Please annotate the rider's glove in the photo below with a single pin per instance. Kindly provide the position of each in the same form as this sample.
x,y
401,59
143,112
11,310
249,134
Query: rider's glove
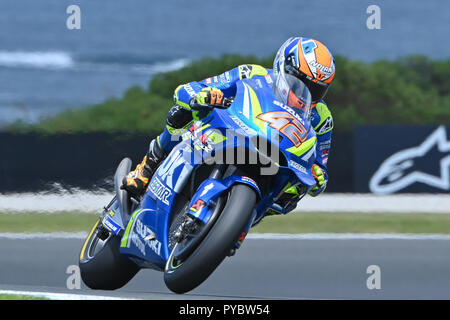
x,y
205,100
209,97
320,178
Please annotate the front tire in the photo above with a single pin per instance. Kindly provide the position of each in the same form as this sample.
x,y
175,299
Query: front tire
x,y
101,265
196,268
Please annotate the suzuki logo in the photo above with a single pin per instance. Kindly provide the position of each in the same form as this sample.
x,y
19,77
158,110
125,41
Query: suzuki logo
x,y
398,171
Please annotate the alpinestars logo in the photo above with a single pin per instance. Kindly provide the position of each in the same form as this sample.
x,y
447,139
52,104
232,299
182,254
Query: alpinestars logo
x,y
326,125
245,71
398,171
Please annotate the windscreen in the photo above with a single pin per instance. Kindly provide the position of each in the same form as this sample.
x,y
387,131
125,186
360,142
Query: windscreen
x,y
294,93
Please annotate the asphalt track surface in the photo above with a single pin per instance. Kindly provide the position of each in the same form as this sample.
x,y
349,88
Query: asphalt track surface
x,y
261,269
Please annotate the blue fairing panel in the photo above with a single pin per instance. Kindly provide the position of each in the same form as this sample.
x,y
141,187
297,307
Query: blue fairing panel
x,y
210,190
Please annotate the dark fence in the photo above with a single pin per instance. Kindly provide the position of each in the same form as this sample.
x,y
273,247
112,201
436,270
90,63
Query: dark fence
x,y
370,159
36,162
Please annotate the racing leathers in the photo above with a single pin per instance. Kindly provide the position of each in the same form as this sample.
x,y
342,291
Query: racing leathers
x,y
181,116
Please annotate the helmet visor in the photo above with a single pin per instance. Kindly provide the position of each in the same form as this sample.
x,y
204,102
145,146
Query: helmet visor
x,y
293,92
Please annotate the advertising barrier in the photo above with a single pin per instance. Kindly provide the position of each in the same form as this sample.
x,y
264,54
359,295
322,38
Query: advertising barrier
x,y
402,159
371,159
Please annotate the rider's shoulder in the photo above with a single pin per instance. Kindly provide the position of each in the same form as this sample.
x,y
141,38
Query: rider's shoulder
x,y
321,119
322,109
248,71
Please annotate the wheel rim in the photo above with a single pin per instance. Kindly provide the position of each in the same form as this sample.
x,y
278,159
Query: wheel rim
x,y
93,243
170,262
96,246
181,254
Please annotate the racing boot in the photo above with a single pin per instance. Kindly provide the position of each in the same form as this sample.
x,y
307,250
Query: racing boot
x,y
136,182
286,202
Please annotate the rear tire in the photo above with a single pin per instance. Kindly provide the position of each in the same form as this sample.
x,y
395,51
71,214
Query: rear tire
x,y
196,268
105,269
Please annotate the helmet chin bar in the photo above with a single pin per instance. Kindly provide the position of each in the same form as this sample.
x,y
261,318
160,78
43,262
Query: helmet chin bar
x,y
317,89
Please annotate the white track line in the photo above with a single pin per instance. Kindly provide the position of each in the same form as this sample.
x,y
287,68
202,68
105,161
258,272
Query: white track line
x,y
59,296
50,236
348,236
263,236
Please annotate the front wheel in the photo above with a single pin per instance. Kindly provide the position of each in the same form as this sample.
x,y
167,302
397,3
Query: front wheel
x,y
183,276
101,264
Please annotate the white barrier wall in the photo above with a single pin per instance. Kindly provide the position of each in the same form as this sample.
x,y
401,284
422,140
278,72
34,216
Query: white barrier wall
x,y
89,202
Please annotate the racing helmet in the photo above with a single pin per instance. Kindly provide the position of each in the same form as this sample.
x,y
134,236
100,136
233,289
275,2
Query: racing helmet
x,y
308,60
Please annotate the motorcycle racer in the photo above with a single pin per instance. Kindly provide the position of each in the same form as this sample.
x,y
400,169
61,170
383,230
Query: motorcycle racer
x,y
305,59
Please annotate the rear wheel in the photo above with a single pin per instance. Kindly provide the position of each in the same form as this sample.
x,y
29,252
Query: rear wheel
x,y
192,261
101,264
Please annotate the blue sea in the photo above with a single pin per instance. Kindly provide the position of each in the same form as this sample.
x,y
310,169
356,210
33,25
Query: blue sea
x,y
46,68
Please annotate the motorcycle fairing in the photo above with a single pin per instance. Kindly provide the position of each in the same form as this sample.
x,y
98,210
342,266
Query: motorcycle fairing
x,y
253,99
146,234
155,210
210,190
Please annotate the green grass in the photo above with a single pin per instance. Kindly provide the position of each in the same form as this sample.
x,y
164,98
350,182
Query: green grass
x,y
355,223
380,92
44,222
425,223
20,297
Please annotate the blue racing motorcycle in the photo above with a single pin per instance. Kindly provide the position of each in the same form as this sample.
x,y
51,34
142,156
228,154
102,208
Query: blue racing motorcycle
x,y
227,172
